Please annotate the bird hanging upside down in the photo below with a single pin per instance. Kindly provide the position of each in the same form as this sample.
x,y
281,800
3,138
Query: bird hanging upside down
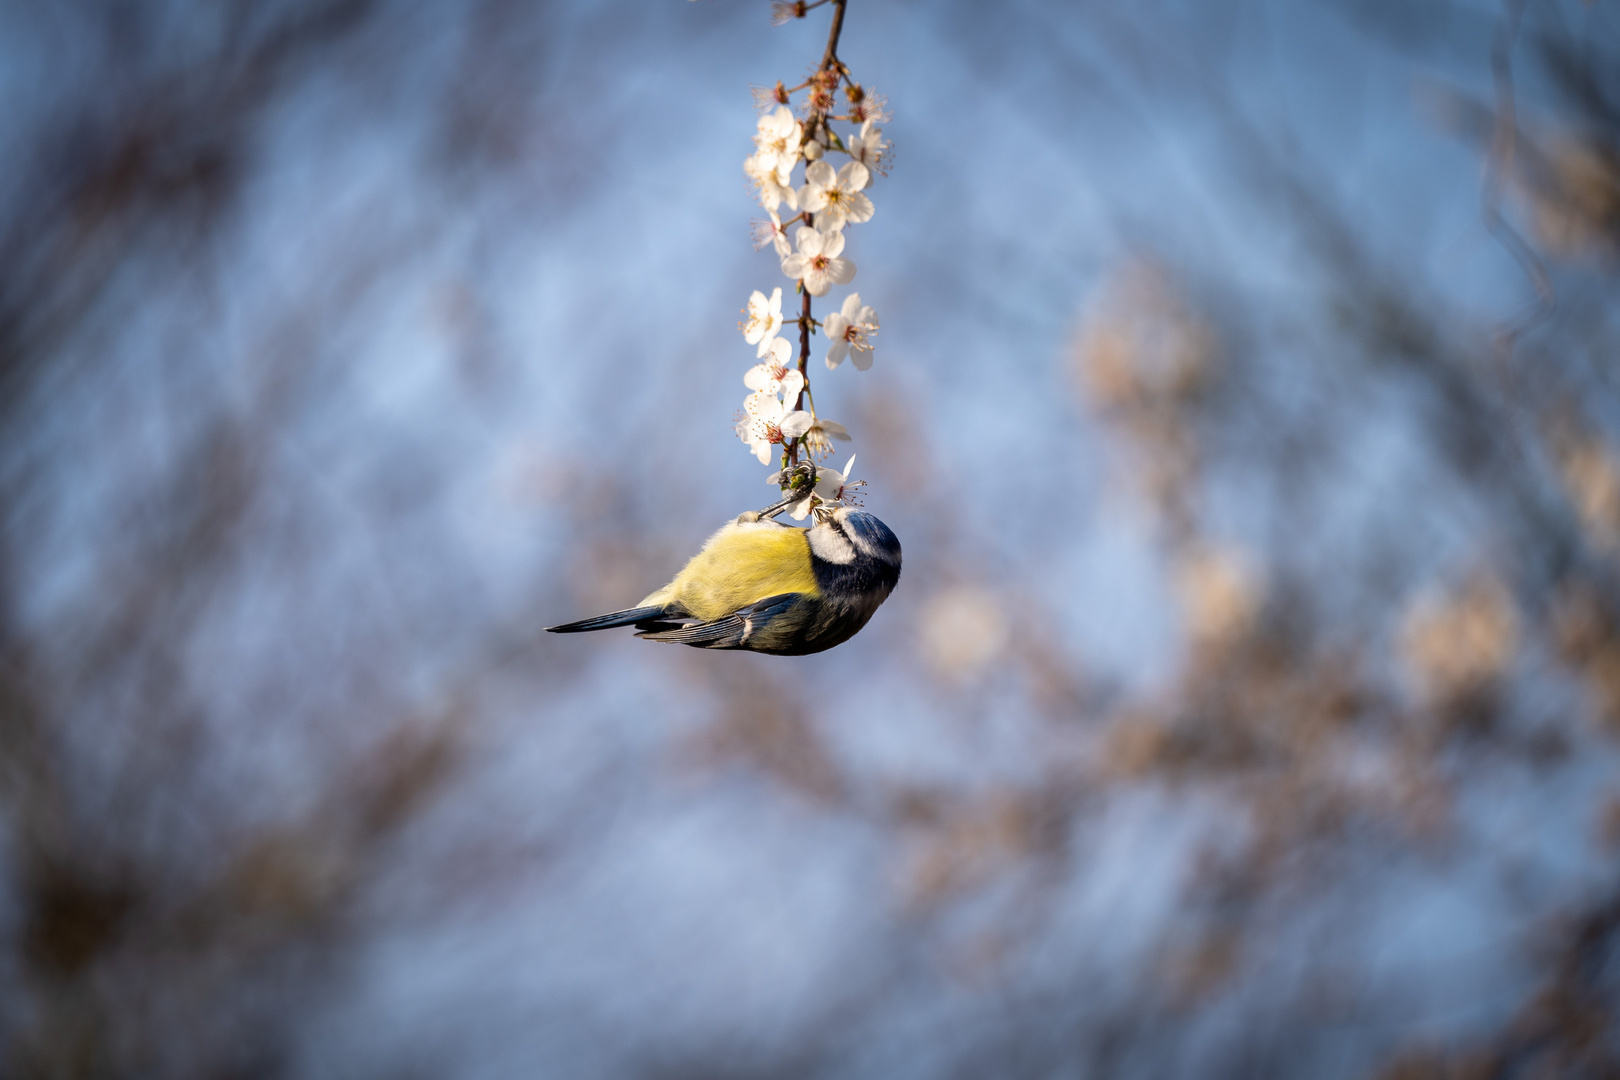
x,y
772,588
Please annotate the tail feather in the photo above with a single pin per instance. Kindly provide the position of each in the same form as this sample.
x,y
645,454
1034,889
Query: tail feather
x,y
613,618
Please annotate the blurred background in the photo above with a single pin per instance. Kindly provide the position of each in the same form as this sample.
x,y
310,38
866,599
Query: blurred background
x,y
1247,402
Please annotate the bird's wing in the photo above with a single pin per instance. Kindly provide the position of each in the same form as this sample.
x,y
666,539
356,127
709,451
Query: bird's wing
x,y
729,631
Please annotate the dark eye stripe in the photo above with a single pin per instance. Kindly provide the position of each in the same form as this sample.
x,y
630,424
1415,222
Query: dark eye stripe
x,y
855,540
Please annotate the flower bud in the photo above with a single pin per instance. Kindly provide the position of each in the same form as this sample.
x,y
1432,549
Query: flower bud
x,y
854,92
813,151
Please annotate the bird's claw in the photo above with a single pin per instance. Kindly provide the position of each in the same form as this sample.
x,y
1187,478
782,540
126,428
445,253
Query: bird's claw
x,y
797,482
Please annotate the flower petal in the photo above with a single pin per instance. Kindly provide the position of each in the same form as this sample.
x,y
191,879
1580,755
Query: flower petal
x,y
762,405
857,207
853,176
837,354
851,308
839,272
792,383
820,174
796,423
832,244
781,351
862,358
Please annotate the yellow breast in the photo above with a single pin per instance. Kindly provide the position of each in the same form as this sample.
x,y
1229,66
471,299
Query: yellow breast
x,y
738,565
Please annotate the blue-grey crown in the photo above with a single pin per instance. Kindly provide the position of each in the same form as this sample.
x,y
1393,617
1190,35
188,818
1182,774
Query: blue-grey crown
x,y
872,535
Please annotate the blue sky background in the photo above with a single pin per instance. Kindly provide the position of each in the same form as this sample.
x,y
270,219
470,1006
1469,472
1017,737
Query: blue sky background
x,y
336,372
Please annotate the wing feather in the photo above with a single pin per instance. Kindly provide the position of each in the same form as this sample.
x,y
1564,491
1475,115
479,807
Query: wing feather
x,y
729,631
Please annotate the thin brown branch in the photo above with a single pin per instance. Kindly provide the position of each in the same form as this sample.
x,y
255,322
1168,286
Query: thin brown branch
x,y
1499,164
830,57
804,363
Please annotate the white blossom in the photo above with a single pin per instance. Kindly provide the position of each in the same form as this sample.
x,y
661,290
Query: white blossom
x,y
871,109
849,332
816,262
764,319
835,198
773,187
777,141
775,374
818,437
869,147
837,487
771,232
768,422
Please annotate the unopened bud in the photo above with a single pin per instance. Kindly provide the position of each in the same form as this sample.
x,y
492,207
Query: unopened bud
x,y
813,151
854,92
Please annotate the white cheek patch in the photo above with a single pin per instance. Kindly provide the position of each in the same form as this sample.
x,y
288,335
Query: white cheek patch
x,y
830,546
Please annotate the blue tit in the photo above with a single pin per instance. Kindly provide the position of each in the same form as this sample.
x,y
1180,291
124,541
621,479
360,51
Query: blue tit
x,y
761,585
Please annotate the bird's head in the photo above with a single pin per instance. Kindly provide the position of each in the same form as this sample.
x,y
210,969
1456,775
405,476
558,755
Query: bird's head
x,y
847,534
